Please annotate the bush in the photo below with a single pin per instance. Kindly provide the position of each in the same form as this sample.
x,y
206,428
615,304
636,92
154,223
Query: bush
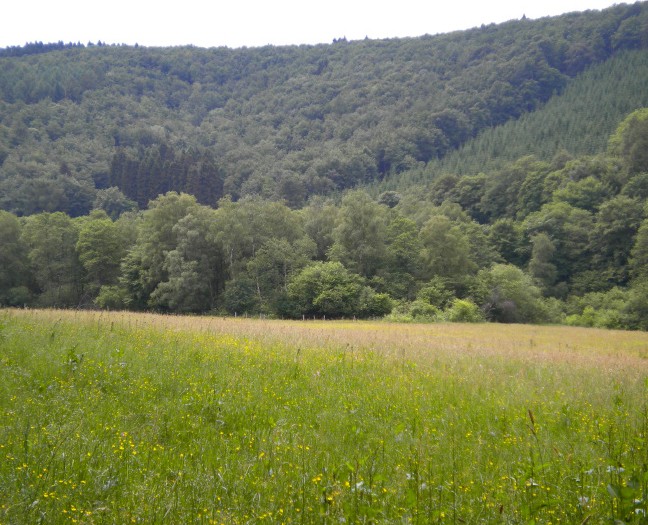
x,y
635,311
329,289
111,298
414,312
554,310
436,293
599,309
374,304
464,311
508,295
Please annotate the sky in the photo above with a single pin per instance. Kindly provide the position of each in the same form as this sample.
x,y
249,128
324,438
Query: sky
x,y
253,23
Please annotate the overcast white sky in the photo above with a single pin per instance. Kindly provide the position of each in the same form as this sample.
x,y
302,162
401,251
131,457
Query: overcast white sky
x,y
237,23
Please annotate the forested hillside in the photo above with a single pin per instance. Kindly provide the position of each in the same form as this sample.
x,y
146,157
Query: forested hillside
x,y
565,241
578,121
283,123
502,175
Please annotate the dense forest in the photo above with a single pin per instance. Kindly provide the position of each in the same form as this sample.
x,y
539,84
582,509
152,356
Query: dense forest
x,y
496,174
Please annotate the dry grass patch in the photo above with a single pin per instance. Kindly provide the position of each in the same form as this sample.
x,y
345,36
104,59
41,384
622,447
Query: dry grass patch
x,y
624,352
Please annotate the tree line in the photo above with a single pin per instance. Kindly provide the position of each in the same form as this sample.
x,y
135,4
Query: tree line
x,y
565,241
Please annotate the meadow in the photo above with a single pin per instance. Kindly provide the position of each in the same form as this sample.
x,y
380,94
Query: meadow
x,y
139,418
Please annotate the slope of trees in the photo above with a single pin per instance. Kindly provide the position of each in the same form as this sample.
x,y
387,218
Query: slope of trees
x,y
533,242
504,169
578,121
281,123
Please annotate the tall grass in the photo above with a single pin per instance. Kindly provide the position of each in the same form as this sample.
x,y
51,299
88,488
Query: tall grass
x,y
126,418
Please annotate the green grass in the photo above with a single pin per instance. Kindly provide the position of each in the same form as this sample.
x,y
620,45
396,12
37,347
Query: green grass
x,y
149,419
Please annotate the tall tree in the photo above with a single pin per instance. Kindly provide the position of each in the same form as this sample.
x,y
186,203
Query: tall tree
x,y
446,251
245,226
402,258
326,289
51,240
542,269
630,141
273,267
612,238
639,255
319,219
516,183
569,229
144,266
14,265
113,202
506,236
195,267
100,248
360,234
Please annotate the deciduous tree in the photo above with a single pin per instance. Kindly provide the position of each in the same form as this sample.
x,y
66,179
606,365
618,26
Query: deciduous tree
x,y
51,240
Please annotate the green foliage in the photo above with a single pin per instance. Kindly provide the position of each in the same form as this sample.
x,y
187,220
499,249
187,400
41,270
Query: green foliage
x,y
519,183
143,268
51,240
156,168
112,297
636,308
241,297
436,293
100,249
569,229
206,419
359,237
330,290
639,254
599,309
506,236
464,311
423,311
113,202
637,187
389,198
617,223
578,121
446,250
576,225
468,193
417,311
630,141
272,268
326,289
583,175
374,305
183,291
506,294
403,245
319,220
587,193
541,267
13,262
195,267
290,122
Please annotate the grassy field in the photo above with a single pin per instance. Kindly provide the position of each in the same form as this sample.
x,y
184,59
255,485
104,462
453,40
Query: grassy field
x,y
133,418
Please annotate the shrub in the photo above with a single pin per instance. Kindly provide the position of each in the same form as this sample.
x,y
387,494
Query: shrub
x,y
111,298
464,311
